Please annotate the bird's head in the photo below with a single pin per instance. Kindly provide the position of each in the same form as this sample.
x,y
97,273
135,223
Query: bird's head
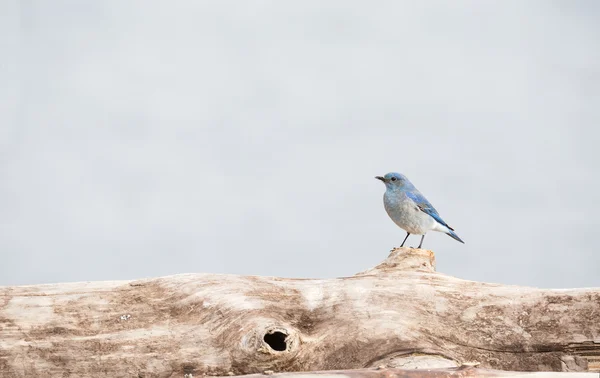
x,y
394,180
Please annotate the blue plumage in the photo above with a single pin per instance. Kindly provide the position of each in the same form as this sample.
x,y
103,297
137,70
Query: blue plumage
x,y
410,210
426,206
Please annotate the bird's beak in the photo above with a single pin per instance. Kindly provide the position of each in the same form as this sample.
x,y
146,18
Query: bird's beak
x,y
380,178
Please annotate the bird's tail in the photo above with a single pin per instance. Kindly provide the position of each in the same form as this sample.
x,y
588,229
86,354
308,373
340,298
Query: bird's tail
x,y
453,235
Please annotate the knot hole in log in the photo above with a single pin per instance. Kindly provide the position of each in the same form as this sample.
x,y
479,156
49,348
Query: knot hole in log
x,y
267,346
271,339
277,340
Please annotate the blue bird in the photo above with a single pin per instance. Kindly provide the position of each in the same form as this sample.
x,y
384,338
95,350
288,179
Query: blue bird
x,y
410,210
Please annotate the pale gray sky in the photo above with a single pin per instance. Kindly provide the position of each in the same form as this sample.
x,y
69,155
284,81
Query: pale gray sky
x,y
147,138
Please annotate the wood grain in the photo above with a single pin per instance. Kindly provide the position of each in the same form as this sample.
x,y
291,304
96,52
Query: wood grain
x,y
400,314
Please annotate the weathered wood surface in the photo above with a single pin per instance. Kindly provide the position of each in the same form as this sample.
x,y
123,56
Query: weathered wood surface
x,y
457,372
400,314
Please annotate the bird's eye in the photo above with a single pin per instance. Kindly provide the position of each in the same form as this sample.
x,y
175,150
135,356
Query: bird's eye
x,y
393,179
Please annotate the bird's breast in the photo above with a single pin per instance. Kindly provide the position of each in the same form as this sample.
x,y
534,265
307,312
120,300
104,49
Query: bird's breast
x,y
405,213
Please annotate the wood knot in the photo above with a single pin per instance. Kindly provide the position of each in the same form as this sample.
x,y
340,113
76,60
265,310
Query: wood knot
x,y
267,344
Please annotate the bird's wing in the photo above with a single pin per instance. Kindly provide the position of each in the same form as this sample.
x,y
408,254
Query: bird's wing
x,y
426,207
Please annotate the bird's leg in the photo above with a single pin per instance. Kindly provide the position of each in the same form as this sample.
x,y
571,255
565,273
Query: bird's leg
x,y
421,243
402,245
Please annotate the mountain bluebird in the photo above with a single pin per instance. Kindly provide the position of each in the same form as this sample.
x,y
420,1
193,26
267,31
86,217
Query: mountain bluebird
x,y
410,210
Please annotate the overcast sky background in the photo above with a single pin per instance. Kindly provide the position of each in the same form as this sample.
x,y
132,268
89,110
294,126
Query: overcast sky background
x,y
147,138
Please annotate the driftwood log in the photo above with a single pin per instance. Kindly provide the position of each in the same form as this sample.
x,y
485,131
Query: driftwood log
x,y
399,315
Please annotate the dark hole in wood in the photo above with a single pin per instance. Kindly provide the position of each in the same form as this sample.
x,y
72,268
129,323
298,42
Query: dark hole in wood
x,y
189,369
276,341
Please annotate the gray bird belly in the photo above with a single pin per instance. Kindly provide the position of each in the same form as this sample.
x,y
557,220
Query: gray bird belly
x,y
409,217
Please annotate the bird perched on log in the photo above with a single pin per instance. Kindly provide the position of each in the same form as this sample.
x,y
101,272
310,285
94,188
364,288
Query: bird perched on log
x,y
410,210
